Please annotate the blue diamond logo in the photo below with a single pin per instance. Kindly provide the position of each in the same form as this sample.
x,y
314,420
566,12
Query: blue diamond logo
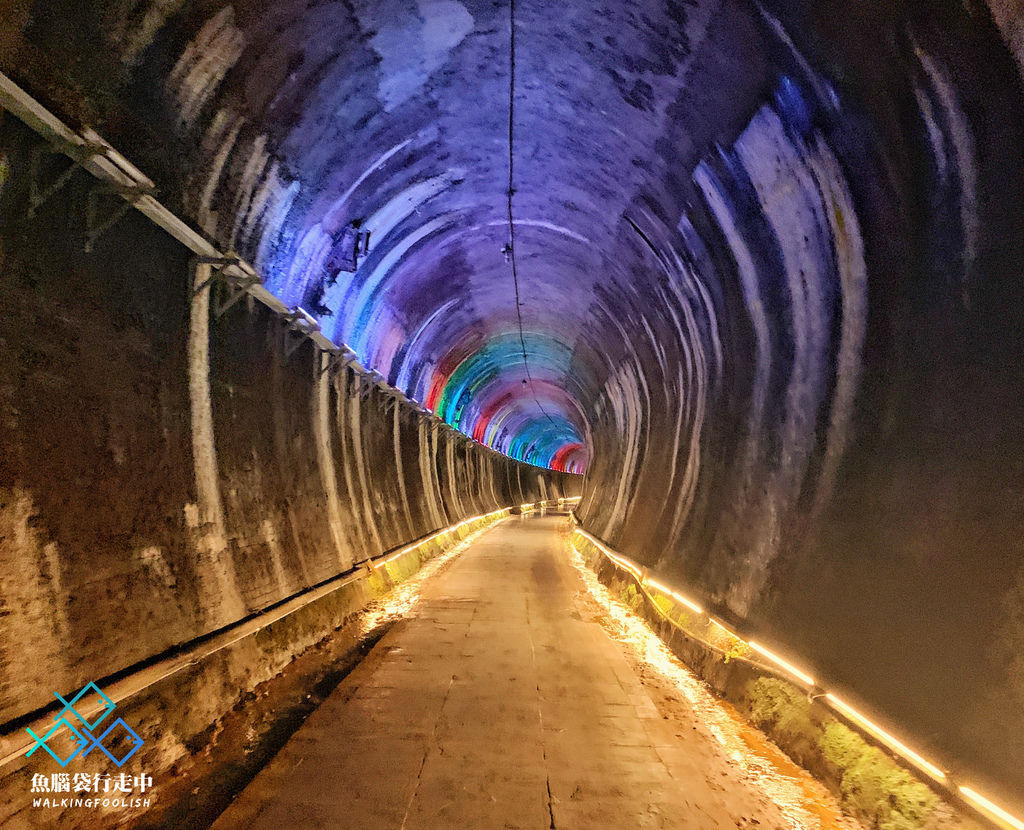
x,y
134,742
69,706
81,741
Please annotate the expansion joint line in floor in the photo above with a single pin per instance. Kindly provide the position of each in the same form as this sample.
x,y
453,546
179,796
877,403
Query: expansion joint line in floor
x,y
432,741
540,718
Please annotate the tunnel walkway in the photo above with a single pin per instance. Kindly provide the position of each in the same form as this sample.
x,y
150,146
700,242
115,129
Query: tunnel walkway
x,y
500,702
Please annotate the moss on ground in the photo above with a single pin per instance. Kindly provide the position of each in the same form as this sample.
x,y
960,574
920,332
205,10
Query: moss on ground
x,y
631,596
404,566
782,707
378,584
873,785
726,643
665,605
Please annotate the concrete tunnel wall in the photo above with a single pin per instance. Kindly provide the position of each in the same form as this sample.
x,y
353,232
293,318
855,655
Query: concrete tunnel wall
x,y
108,555
770,264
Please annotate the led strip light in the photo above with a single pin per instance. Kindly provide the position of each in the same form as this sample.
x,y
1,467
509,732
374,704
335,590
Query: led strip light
x,y
989,809
410,548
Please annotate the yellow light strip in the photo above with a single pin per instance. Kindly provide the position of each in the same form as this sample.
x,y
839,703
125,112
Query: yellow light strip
x,y
434,536
689,603
988,808
787,666
887,739
728,631
993,811
868,726
618,560
623,563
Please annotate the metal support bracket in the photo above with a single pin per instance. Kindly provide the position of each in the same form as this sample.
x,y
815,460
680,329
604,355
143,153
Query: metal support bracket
x,y
365,386
233,286
96,226
38,195
290,344
335,360
296,322
392,400
375,380
217,272
233,289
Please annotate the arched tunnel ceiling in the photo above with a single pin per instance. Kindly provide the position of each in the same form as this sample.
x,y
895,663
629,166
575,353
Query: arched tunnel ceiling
x,y
632,124
308,118
395,116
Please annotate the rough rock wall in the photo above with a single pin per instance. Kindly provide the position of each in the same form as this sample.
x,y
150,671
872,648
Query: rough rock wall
x,y
129,522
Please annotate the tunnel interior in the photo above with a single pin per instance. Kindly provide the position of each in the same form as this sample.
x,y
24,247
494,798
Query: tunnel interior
x,y
753,269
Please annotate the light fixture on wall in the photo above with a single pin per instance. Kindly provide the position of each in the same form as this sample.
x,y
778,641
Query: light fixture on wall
x,y
353,245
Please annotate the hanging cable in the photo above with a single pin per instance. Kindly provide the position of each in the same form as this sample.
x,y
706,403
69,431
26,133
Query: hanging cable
x,y
511,247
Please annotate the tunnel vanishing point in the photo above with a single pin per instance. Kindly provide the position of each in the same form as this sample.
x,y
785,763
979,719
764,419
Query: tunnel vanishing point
x,y
287,287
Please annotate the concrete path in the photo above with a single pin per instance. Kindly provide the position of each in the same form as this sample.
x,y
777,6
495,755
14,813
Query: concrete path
x,y
496,704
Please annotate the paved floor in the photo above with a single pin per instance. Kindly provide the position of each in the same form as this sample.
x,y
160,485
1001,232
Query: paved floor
x,y
496,704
